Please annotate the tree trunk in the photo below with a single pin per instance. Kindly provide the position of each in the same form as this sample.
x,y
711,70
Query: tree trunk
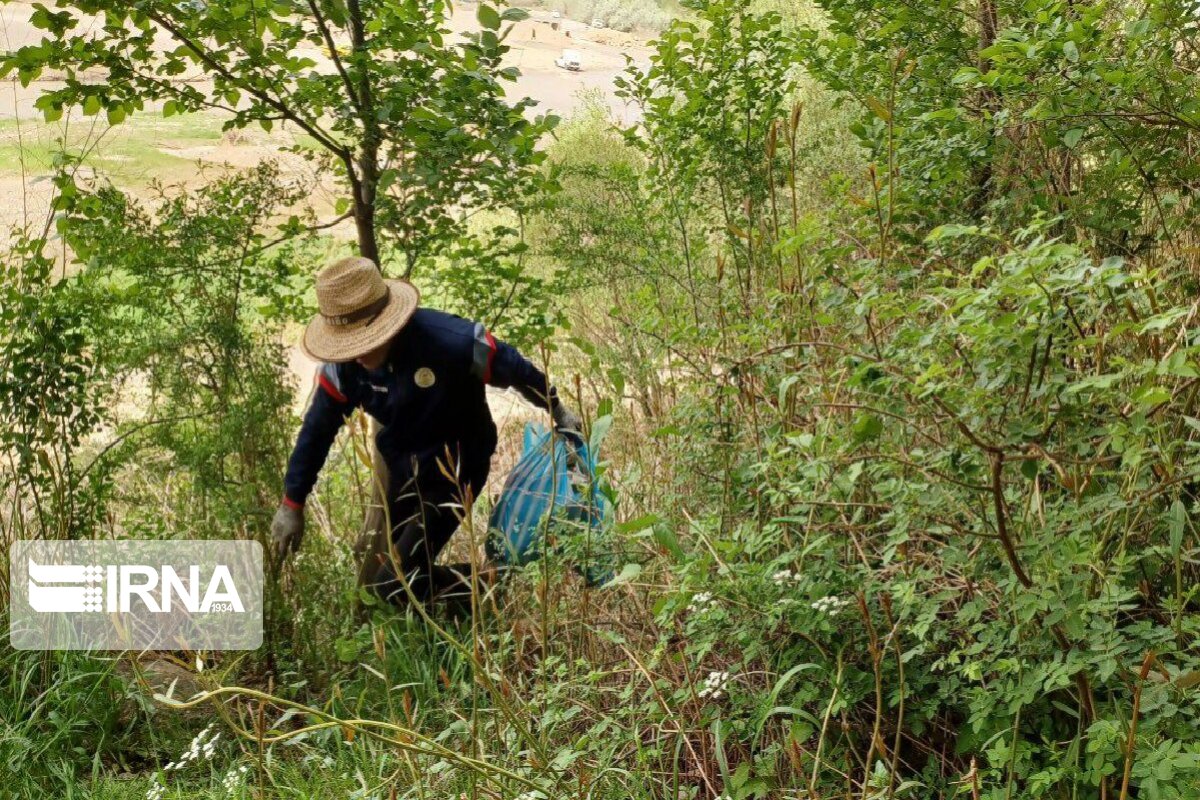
x,y
375,534
364,222
373,538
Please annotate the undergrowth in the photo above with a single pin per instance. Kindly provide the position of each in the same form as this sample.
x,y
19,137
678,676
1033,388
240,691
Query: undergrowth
x,y
893,321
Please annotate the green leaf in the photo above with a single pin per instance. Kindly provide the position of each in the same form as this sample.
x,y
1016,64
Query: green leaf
x,y
488,17
600,427
664,536
346,649
1152,396
627,573
1099,382
718,740
784,386
879,108
783,681
40,18
91,105
618,381
1070,51
386,179
866,427
1072,137
514,15
951,231
1176,521
639,524
116,115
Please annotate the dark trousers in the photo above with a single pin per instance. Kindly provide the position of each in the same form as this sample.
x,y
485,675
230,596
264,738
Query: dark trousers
x,y
424,512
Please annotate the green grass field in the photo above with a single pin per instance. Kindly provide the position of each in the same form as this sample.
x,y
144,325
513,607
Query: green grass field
x,y
132,153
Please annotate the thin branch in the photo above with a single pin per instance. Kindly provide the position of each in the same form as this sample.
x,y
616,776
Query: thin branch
x,y
321,136
1002,521
333,53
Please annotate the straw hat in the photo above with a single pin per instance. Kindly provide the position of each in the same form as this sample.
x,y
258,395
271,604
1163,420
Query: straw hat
x,y
360,310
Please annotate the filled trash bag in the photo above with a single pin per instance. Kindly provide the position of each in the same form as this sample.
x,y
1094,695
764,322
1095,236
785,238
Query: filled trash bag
x,y
551,492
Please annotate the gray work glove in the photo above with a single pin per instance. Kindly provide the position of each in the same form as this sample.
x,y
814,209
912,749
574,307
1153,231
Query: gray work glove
x,y
568,425
566,421
287,531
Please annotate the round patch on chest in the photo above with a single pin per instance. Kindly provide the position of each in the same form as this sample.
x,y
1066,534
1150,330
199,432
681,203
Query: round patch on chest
x,y
425,377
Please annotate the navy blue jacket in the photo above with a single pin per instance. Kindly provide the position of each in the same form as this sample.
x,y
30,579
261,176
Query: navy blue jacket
x,y
428,395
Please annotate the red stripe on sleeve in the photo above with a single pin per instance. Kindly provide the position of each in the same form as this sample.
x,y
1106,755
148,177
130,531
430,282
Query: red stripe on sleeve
x,y
487,371
290,503
328,386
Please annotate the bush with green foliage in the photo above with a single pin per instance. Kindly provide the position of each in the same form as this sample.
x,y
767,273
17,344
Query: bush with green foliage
x,y
896,315
190,295
930,489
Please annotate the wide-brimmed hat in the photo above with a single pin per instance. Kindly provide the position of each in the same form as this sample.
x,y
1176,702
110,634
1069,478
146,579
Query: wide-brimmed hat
x,y
360,310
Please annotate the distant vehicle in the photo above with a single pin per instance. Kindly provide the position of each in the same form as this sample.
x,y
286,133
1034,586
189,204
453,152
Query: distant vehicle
x,y
556,15
569,60
598,23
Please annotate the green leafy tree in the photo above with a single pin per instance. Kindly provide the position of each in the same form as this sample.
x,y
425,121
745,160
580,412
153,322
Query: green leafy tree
x,y
53,394
190,301
709,98
1004,109
415,125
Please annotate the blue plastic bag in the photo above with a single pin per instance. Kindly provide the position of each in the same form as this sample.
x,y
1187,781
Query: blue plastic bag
x,y
550,490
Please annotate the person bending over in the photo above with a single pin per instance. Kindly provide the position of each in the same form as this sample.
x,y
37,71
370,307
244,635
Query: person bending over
x,y
421,374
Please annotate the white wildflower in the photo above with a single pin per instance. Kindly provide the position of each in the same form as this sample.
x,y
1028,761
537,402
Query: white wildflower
x,y
201,745
700,603
786,576
233,779
155,792
714,685
830,604
199,664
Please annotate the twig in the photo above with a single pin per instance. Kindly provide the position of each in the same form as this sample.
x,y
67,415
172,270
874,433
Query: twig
x,y
1131,742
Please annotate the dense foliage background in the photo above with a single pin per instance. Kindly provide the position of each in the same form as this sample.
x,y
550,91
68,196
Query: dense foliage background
x,y
892,312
